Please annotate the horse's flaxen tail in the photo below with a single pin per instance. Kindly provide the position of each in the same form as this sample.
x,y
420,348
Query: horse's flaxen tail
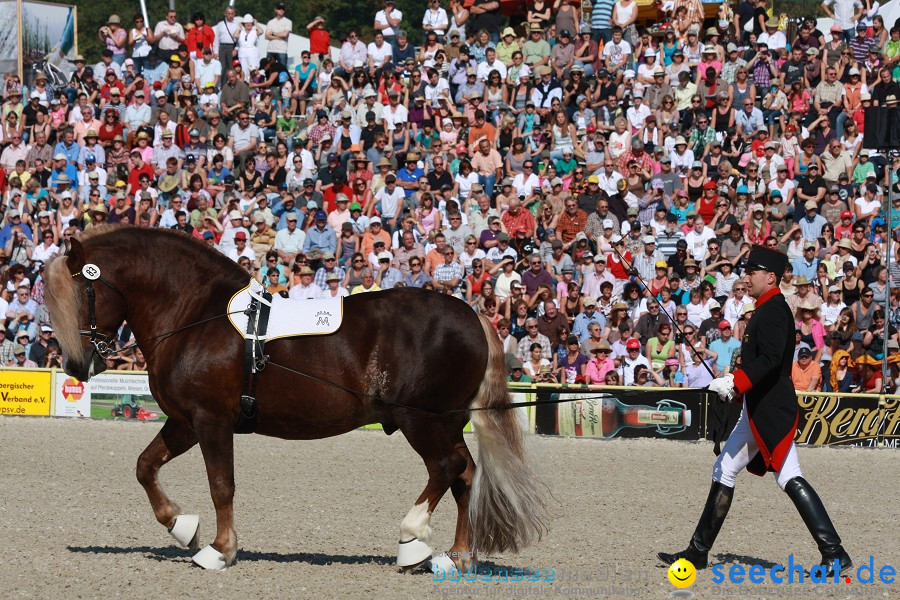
x,y
507,511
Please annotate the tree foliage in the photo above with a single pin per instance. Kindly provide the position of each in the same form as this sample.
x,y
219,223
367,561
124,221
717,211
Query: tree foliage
x,y
340,16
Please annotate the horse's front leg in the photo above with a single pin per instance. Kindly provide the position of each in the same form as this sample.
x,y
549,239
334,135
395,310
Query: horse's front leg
x,y
172,441
217,445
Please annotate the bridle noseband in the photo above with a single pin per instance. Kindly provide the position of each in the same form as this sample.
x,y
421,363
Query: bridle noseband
x,y
102,343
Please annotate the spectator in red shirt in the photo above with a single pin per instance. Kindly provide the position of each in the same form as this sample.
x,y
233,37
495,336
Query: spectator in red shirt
x,y
859,115
636,154
571,222
706,204
620,260
138,168
199,37
319,39
516,217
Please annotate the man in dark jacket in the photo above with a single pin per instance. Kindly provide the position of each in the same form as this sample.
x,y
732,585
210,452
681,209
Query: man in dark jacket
x,y
763,438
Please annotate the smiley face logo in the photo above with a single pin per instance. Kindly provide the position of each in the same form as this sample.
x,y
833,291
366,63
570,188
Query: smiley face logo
x,y
682,573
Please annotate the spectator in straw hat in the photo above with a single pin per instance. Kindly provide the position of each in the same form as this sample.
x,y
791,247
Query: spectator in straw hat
x,y
305,289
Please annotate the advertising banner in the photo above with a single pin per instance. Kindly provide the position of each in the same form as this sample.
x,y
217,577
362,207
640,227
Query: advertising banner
x,y
656,412
48,36
848,421
73,397
121,383
9,38
124,394
25,392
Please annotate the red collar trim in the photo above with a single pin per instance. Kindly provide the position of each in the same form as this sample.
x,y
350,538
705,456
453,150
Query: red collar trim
x,y
768,296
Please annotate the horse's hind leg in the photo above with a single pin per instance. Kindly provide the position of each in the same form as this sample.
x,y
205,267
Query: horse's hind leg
x,y
461,551
429,438
172,440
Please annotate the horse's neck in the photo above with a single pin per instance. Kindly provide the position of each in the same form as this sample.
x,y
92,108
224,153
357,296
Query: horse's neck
x,y
171,298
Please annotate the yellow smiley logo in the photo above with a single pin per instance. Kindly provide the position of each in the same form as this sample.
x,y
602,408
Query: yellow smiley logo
x,y
682,573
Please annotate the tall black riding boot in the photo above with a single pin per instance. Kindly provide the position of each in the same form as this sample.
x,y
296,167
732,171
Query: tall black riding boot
x,y
714,513
813,512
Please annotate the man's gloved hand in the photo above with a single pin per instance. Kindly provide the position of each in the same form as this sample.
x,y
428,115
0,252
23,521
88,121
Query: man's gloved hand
x,y
724,387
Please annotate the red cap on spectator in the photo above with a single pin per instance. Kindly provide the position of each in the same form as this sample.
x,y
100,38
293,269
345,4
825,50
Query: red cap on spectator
x,y
461,149
709,185
723,324
632,344
790,128
157,85
522,229
846,215
590,129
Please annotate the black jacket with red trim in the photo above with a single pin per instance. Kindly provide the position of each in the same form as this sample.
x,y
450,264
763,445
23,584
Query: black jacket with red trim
x,y
767,353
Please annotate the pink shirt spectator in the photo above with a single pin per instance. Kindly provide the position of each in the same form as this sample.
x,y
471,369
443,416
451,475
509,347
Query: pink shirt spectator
x,y
596,370
702,66
115,41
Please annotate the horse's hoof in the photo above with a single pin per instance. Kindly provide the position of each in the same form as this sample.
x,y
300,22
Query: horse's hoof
x,y
442,564
412,552
421,567
185,530
211,559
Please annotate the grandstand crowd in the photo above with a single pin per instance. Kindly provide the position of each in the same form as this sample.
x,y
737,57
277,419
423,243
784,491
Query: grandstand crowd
x,y
578,177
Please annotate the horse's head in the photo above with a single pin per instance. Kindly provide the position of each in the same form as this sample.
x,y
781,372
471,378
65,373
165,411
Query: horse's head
x,y
85,322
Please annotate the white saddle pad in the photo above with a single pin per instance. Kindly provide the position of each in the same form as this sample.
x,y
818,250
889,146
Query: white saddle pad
x,y
288,317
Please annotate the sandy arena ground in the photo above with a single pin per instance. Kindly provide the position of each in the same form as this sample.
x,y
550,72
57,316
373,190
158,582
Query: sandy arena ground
x,y
320,519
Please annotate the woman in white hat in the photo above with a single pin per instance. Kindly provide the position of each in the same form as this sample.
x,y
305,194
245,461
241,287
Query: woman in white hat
x,y
248,37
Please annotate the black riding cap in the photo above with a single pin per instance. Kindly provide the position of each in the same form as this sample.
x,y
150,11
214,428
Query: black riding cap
x,y
766,259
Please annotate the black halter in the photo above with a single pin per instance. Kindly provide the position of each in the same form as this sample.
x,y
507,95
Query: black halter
x,y
102,343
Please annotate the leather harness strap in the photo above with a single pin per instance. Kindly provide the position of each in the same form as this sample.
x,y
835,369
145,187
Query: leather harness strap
x,y
254,360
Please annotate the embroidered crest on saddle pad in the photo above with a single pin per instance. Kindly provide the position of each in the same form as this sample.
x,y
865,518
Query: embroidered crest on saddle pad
x,y
288,317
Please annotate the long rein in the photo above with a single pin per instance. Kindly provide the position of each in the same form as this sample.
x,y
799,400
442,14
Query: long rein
x,y
101,344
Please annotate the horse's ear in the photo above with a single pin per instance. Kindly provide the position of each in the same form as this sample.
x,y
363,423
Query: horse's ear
x,y
76,255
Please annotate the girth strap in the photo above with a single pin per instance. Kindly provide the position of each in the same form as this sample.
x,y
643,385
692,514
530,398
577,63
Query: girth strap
x,y
254,360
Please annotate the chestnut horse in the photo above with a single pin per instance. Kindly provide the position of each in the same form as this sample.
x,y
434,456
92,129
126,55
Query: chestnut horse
x,y
408,359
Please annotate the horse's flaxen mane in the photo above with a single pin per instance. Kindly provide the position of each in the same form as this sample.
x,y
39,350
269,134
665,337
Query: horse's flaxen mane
x,y
63,298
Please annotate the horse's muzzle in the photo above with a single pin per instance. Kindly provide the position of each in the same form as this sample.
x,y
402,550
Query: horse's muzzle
x,y
84,372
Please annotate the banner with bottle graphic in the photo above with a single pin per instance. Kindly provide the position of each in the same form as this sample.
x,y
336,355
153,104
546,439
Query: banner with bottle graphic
x,y
604,414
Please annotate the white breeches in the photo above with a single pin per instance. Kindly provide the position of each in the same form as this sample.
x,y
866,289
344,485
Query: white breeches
x,y
249,61
739,450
